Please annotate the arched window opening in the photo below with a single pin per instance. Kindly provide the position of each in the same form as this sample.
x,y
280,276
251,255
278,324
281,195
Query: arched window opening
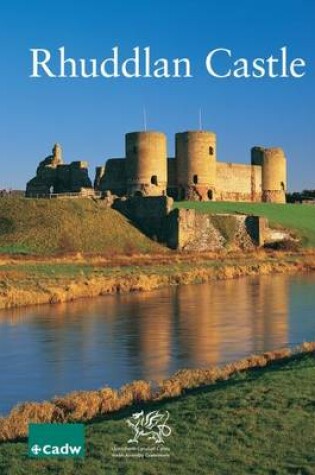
x,y
210,195
195,179
211,150
154,180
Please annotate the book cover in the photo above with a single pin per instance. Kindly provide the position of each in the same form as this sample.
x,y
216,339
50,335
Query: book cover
x,y
157,237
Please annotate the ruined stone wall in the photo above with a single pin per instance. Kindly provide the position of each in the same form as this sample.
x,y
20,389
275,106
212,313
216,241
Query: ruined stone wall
x,y
62,180
114,177
45,180
149,213
185,229
72,178
192,231
43,183
99,173
256,183
171,178
54,176
79,176
238,182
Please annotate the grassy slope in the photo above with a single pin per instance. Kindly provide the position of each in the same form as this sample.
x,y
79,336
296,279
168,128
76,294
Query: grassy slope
x,y
77,225
82,225
300,218
258,422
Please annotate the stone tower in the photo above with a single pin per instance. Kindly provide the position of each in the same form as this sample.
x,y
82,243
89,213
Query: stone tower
x,y
99,173
57,154
274,173
196,165
274,176
146,163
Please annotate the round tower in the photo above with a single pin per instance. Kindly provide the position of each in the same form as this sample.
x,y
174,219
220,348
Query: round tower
x,y
274,176
196,165
146,163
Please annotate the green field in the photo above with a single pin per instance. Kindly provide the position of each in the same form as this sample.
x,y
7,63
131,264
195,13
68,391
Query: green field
x,y
45,226
296,217
258,422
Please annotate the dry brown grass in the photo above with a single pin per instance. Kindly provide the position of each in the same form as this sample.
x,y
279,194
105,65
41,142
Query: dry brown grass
x,y
16,424
43,284
87,405
8,275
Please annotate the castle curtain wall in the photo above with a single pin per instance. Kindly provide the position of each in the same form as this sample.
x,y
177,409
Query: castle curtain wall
x,y
238,182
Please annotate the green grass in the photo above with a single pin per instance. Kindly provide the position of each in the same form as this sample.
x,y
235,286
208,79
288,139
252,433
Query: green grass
x,y
46,227
299,218
258,422
43,226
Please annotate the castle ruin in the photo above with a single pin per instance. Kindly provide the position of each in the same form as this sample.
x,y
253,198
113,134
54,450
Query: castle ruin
x,y
54,176
193,174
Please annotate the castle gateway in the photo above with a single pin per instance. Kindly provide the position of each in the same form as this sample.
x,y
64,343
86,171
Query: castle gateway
x,y
193,174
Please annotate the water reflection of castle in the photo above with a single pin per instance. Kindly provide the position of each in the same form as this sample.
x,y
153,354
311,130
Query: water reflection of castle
x,y
156,333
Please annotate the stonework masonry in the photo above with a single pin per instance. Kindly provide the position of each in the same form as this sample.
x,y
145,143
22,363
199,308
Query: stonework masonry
x,y
143,187
187,230
193,174
196,165
54,176
192,231
150,214
274,173
146,163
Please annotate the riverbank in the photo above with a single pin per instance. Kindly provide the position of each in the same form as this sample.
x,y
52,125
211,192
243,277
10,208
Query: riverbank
x,y
252,416
39,280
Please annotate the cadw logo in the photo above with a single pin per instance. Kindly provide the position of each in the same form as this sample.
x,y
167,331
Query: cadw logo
x,y
56,440
152,426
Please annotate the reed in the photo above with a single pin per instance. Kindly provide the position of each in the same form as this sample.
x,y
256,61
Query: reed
x,y
87,405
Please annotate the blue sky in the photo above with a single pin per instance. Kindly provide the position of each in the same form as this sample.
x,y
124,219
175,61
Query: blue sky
x,y
89,117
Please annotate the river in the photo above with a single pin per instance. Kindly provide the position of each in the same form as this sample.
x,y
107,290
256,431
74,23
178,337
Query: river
x,y
87,344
